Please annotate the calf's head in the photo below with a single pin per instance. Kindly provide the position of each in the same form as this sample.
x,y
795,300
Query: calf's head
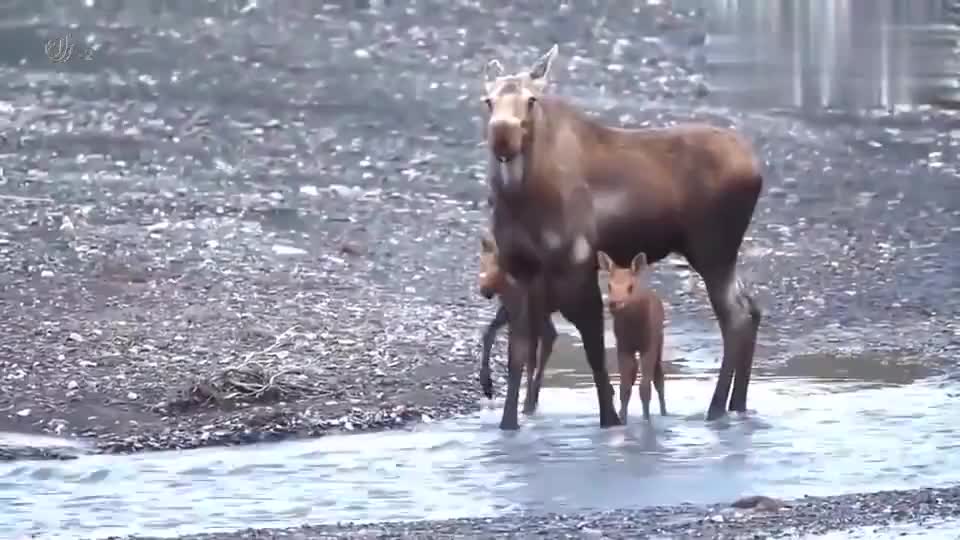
x,y
622,282
491,277
511,101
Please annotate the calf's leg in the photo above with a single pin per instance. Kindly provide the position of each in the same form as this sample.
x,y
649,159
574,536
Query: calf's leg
x,y
658,373
524,334
627,365
489,336
658,386
585,312
646,376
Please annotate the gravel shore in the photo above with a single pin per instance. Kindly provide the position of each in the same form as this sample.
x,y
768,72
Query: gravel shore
x,y
259,234
810,515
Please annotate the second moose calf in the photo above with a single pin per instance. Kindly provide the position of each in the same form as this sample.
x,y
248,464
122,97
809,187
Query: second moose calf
x,y
493,281
638,326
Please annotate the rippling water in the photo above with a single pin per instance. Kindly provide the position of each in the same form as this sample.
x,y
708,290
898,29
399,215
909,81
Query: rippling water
x,y
810,437
935,530
825,424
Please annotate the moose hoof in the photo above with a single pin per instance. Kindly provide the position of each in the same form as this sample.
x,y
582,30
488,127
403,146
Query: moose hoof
x,y
715,413
509,425
488,391
610,421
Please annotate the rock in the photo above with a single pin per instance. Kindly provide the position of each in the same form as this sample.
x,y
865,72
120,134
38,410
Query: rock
x,y
759,502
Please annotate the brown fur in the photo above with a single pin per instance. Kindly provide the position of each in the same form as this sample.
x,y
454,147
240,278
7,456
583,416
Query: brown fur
x,y
544,227
688,189
493,281
638,316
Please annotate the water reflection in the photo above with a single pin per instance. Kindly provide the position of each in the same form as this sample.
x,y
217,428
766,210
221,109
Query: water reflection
x,y
831,53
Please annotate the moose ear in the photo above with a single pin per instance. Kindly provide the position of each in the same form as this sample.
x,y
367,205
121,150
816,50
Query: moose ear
x,y
603,260
540,70
491,71
639,263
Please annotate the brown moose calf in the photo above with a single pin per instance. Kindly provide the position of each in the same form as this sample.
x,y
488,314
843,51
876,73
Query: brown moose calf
x,y
493,281
638,326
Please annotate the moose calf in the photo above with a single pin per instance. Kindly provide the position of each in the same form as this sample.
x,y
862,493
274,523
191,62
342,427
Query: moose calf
x,y
638,326
495,282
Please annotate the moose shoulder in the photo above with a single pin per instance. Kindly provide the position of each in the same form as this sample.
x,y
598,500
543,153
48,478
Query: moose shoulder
x,y
689,189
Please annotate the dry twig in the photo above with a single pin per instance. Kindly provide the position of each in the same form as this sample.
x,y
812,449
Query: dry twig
x,y
261,375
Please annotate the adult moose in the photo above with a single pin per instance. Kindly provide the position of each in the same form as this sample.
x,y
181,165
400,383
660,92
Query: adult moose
x,y
688,189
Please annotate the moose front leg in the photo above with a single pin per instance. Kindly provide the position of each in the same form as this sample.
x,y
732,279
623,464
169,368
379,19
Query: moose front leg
x,y
585,312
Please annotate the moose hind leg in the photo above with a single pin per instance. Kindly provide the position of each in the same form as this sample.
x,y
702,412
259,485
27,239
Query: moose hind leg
x,y
529,404
586,314
739,320
741,379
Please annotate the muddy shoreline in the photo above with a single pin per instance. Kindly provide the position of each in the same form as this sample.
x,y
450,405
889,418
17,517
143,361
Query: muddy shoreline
x,y
809,515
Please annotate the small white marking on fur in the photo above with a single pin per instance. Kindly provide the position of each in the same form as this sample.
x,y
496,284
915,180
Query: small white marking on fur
x,y
609,203
511,280
581,249
552,238
483,275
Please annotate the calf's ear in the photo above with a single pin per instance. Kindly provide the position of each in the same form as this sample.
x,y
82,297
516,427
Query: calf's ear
x,y
487,244
604,261
639,263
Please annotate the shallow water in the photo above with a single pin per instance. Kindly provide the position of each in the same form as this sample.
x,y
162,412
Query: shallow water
x,y
933,530
826,423
822,435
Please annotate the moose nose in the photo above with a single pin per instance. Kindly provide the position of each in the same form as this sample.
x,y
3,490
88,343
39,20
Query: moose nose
x,y
505,136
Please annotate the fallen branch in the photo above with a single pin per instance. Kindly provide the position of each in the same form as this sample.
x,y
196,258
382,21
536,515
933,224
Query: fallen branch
x,y
260,376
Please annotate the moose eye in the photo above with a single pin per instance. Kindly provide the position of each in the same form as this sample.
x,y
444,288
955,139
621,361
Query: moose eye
x,y
489,102
530,101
